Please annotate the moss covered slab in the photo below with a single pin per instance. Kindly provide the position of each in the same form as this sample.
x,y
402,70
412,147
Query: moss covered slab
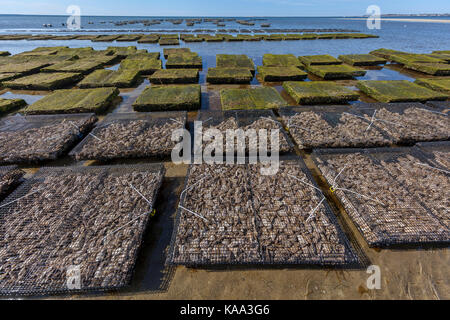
x,y
106,38
129,37
42,51
74,101
385,53
335,72
144,54
308,36
149,38
274,37
22,67
144,65
184,61
277,74
122,78
83,66
169,42
256,98
319,92
442,85
123,52
407,58
398,91
177,51
280,60
193,38
79,52
213,38
8,76
229,75
7,105
173,97
175,76
362,59
435,69
324,59
44,81
4,53
235,61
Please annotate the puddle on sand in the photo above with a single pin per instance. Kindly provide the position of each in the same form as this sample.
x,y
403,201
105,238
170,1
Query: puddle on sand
x,y
29,98
385,74
129,96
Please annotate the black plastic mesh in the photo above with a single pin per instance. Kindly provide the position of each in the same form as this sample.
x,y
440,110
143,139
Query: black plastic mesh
x,y
91,218
131,135
245,119
331,127
438,153
443,106
378,199
41,137
407,123
227,216
10,177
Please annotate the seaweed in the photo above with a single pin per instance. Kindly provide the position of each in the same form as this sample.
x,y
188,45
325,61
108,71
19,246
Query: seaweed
x,y
74,101
177,51
129,37
442,85
169,42
229,75
172,97
184,61
398,91
235,61
435,69
105,38
149,38
44,81
144,65
83,66
319,92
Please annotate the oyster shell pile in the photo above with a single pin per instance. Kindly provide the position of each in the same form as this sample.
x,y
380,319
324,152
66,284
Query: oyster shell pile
x,y
415,124
42,143
385,210
131,139
269,125
233,214
9,178
442,158
91,218
310,130
425,183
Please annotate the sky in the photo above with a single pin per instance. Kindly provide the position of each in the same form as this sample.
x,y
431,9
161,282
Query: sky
x,y
222,7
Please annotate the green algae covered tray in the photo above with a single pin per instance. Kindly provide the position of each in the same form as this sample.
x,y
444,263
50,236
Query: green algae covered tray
x,y
74,101
122,78
169,98
255,98
84,66
335,72
8,76
362,59
184,61
434,69
229,75
7,105
173,76
319,92
324,59
278,74
44,81
442,85
235,61
23,67
280,60
176,51
398,91
145,65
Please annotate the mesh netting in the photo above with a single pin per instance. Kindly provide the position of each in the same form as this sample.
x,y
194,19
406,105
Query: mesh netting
x,y
86,222
232,214
331,127
407,123
131,135
245,120
436,152
378,193
39,138
10,177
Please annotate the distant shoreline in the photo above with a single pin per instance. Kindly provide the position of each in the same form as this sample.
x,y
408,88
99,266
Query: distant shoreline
x,y
405,20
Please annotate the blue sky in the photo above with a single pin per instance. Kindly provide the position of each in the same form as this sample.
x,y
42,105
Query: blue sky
x,y
222,7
